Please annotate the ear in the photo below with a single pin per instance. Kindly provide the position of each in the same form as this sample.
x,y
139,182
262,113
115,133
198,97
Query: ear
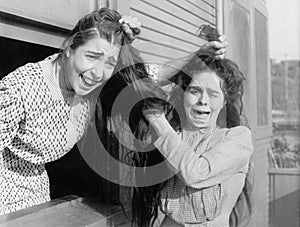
x,y
68,52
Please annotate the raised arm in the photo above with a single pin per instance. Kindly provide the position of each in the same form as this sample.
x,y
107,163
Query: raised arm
x,y
165,71
220,160
170,68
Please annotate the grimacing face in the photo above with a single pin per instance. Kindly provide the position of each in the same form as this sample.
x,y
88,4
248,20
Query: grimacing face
x,y
90,65
203,101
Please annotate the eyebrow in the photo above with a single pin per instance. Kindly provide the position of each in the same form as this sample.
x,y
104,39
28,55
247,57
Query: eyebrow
x,y
208,89
194,87
95,53
213,91
113,59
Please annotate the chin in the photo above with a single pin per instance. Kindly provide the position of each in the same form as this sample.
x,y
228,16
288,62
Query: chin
x,y
199,124
196,125
81,92
202,126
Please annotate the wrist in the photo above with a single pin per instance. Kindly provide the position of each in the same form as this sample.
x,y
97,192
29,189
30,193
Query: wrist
x,y
161,126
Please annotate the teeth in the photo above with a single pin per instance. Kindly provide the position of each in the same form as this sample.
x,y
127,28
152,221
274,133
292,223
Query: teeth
x,y
87,80
202,112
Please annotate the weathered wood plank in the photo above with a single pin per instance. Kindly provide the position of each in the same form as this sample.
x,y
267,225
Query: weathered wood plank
x,y
67,212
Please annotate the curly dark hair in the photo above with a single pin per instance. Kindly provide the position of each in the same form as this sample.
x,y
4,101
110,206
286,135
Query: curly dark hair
x,y
232,86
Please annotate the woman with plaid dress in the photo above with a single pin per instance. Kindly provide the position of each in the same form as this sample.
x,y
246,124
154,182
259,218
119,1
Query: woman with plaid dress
x,y
200,141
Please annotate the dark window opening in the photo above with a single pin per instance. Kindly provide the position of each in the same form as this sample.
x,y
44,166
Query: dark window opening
x,y
15,53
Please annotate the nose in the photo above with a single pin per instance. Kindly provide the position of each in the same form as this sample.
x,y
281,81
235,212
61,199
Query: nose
x,y
97,72
203,99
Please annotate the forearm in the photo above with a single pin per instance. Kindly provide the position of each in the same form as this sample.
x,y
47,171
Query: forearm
x,y
180,156
183,161
170,68
209,165
161,126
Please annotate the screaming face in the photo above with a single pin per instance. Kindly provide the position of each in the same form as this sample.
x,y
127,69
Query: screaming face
x,y
90,65
203,101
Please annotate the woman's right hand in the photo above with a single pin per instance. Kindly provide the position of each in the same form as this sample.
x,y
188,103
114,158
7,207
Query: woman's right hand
x,y
152,114
218,48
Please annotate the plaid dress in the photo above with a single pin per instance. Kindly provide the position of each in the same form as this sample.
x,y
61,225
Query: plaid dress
x,y
39,123
212,166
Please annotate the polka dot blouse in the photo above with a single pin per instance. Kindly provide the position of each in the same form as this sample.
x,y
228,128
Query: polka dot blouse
x,y
39,123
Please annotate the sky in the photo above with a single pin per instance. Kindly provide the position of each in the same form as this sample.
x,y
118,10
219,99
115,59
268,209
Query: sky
x,y
284,29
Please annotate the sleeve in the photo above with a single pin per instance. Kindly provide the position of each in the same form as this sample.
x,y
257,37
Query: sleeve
x,y
219,160
11,113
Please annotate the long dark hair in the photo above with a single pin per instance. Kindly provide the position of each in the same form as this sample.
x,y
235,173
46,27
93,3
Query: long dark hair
x,y
130,71
146,200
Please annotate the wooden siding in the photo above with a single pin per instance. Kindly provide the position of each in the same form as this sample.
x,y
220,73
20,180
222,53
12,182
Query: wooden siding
x,y
169,27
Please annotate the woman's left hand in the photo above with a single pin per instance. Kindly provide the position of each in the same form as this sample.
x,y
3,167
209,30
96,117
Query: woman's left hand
x,y
131,26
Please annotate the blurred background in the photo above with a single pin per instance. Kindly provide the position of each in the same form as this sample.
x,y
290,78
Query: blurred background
x,y
284,27
284,155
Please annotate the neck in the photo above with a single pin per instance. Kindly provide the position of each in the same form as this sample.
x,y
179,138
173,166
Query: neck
x,y
201,130
62,76
190,127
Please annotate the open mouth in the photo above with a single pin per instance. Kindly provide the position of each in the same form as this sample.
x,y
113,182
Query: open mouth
x,y
201,112
87,81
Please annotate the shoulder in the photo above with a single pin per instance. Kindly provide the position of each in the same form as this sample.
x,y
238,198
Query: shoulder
x,y
26,82
32,69
239,132
240,136
21,75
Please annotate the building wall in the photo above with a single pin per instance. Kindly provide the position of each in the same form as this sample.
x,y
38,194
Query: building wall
x,y
245,25
169,27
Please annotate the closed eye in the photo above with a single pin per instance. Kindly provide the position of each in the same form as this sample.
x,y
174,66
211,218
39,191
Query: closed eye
x,y
93,57
112,61
112,64
194,90
215,95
